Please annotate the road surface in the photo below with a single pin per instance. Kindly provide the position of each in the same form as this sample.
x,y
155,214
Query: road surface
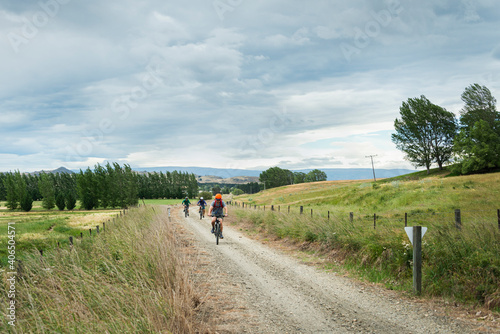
x,y
248,287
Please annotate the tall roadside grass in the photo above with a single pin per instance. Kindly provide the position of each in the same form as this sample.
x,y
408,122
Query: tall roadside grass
x,y
129,279
462,265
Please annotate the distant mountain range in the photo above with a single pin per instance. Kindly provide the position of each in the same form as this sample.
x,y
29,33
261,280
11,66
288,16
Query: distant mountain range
x,y
332,174
207,174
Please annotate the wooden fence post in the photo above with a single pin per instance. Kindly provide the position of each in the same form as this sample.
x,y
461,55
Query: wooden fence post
x,y
90,231
289,209
328,214
406,219
97,229
417,259
311,213
458,219
71,241
301,209
351,216
279,209
81,235
374,221
498,216
103,226
272,207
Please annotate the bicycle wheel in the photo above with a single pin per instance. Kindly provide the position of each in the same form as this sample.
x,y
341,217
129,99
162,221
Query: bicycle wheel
x,y
201,214
217,232
185,212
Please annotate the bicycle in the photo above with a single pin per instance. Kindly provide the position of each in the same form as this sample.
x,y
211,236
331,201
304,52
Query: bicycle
x,y
186,211
217,231
201,212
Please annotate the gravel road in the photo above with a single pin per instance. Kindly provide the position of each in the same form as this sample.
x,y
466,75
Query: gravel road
x,y
254,288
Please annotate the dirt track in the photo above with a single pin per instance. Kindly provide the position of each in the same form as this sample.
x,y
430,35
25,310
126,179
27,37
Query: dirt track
x,y
257,289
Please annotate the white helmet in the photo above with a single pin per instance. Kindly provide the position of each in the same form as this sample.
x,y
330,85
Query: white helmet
x,y
201,197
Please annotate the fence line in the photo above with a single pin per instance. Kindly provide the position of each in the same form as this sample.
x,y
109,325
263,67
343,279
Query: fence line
x,y
97,230
456,216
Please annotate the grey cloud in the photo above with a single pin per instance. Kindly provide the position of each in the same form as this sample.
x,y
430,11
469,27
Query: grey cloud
x,y
85,71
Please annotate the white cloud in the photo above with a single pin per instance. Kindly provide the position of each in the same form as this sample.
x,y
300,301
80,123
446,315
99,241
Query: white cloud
x,y
163,83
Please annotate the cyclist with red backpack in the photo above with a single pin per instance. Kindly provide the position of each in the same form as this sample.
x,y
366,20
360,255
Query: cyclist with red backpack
x,y
217,209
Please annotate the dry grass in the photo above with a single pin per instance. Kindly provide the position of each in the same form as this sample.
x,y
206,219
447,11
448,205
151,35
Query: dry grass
x,y
91,220
130,279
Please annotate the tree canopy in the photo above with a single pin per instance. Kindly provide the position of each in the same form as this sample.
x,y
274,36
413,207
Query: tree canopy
x,y
425,132
277,177
477,145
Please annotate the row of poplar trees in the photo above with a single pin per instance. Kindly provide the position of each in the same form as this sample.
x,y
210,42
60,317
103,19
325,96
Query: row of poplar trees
x,y
428,133
167,185
20,190
108,186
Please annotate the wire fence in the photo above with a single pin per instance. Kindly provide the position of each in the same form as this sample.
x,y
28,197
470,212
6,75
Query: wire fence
x,y
92,232
415,217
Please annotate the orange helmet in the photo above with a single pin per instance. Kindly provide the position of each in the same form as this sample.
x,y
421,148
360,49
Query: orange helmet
x,y
218,196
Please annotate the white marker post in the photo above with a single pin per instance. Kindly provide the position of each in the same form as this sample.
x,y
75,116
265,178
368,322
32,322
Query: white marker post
x,y
168,214
416,233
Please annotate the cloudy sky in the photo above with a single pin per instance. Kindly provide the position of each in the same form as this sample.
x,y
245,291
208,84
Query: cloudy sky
x,y
231,83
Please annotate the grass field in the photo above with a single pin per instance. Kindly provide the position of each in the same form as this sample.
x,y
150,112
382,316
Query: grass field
x,y
42,229
460,264
128,279
424,199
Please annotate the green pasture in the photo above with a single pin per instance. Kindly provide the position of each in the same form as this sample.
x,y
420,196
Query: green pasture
x,y
424,200
458,263
41,229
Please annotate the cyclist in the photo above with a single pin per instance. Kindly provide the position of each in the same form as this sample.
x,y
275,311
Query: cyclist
x,y
202,204
186,203
217,209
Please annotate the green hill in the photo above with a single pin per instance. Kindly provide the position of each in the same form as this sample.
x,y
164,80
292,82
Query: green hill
x,y
412,193
459,263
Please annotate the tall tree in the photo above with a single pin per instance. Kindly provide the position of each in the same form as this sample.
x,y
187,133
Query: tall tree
x,y
477,145
479,104
87,189
47,189
12,191
3,193
131,186
299,177
16,191
425,132
104,186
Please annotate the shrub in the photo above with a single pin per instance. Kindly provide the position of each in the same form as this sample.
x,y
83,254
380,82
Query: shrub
x,y
237,192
